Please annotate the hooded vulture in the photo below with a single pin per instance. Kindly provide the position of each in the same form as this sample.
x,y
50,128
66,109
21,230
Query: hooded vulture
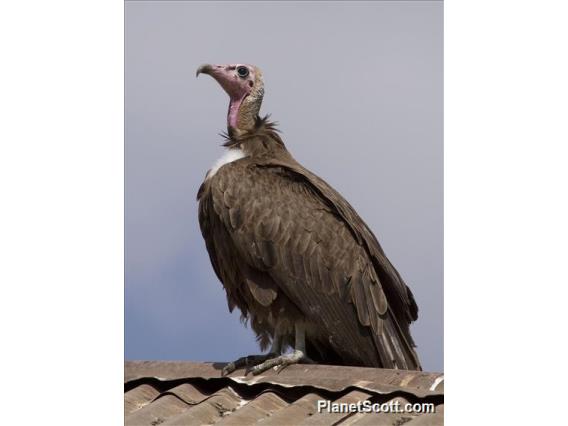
x,y
293,255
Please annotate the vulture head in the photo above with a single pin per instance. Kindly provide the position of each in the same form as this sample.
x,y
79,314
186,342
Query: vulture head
x,y
244,85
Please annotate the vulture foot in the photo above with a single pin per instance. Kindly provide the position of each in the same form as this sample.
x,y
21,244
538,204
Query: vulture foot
x,y
281,362
247,362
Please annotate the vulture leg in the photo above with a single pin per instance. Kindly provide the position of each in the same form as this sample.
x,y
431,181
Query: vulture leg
x,y
282,361
252,360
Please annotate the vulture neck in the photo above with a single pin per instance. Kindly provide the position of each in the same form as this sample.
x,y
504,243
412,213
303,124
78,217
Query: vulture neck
x,y
254,136
243,113
261,141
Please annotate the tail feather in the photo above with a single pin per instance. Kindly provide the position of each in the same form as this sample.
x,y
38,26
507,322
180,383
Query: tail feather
x,y
393,347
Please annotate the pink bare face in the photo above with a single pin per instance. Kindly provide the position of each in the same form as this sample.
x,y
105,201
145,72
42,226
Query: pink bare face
x,y
237,80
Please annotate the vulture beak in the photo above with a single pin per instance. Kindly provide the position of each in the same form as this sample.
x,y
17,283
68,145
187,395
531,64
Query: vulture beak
x,y
204,69
225,75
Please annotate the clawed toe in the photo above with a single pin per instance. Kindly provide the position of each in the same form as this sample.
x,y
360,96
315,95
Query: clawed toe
x,y
246,362
281,362
228,369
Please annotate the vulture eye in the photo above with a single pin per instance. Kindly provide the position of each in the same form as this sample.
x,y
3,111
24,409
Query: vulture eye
x,y
242,71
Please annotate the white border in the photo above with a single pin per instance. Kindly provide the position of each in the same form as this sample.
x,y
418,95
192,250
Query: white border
x,y
505,211
61,219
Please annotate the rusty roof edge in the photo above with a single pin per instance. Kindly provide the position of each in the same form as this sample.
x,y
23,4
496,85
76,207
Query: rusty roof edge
x,y
327,377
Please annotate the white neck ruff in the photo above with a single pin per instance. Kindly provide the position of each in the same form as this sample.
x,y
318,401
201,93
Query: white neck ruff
x,y
228,156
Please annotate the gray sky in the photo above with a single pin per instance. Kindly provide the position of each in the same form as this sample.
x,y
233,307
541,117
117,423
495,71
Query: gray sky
x,y
357,90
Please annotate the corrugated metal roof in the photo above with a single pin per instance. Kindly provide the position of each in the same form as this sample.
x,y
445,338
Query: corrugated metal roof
x,y
186,393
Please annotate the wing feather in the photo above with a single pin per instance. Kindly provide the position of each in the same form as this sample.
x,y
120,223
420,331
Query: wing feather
x,y
308,240
401,300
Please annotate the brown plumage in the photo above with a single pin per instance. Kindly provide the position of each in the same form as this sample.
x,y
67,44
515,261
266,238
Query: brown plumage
x,y
289,249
